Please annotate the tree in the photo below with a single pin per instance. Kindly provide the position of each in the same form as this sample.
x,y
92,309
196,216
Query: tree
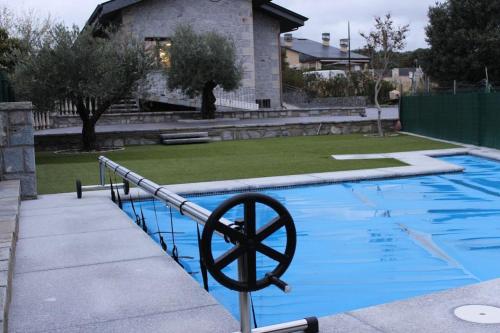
x,y
201,62
382,43
8,47
83,69
464,37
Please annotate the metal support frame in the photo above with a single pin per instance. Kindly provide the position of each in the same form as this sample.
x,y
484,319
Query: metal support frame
x,y
200,215
245,315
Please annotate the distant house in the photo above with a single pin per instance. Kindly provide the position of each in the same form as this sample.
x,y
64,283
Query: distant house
x,y
406,78
301,53
254,26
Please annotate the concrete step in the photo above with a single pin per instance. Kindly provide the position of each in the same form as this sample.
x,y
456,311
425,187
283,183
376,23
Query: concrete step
x,y
190,135
171,142
124,106
110,111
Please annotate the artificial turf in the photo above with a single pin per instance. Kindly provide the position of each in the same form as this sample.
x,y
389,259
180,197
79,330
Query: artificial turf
x,y
57,173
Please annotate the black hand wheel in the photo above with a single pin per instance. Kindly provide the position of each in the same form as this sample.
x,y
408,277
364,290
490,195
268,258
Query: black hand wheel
x,y
248,241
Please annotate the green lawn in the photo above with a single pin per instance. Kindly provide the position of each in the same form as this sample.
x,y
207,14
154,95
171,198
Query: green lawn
x,y
227,160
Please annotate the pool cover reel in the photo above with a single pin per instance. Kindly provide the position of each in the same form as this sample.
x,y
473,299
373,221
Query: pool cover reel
x,y
243,234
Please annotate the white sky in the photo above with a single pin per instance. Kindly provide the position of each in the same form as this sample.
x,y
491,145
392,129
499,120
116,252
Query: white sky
x,y
324,15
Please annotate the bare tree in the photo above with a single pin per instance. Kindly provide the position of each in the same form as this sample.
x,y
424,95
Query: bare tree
x,y
383,42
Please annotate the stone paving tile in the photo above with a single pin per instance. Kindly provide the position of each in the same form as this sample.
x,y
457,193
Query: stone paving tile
x,y
355,175
344,323
209,319
433,313
257,183
83,209
204,187
9,212
5,254
9,206
83,249
55,299
8,225
72,222
64,200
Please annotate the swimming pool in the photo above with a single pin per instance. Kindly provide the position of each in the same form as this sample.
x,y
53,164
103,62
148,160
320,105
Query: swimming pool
x,y
365,243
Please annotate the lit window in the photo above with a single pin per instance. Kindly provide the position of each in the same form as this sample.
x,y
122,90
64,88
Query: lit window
x,y
159,46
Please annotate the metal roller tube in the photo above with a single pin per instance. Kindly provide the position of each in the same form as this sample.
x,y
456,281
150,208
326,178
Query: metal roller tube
x,y
197,213
291,327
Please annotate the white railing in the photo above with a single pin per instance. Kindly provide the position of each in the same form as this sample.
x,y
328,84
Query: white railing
x,y
41,120
68,108
65,108
243,98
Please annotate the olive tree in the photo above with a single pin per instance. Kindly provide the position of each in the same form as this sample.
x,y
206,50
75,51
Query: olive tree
x,y
383,43
201,62
81,68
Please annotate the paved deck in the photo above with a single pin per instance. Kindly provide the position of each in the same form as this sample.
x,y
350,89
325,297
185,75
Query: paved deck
x,y
387,114
83,266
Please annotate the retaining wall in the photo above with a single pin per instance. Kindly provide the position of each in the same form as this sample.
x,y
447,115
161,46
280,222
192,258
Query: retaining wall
x,y
221,133
17,154
61,121
9,227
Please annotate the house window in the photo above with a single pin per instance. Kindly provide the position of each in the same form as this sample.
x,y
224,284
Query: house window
x,y
263,103
159,47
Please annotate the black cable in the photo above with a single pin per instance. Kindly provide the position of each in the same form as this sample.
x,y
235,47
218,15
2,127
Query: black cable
x,y
120,203
253,311
175,252
119,199
113,196
137,218
180,207
203,268
144,225
162,241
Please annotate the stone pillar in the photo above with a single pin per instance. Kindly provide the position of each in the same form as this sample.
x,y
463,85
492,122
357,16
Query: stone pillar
x,y
17,153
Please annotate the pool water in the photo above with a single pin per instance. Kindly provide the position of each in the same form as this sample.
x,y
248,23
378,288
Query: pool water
x,y
364,243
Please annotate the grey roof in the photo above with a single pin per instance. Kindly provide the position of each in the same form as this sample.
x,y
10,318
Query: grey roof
x,y
311,50
289,20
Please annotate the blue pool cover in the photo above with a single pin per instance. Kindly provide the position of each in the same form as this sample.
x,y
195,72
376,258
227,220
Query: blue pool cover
x,y
364,243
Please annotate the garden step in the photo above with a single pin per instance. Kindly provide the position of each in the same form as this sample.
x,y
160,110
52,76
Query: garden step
x,y
186,141
190,135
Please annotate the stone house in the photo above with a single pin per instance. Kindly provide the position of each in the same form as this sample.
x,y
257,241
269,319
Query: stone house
x,y
406,79
254,25
302,53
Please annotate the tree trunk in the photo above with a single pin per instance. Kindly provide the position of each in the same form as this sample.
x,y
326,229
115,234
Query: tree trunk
x,y
208,101
89,136
379,109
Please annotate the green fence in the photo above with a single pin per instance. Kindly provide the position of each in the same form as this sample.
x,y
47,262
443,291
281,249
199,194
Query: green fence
x,y
468,118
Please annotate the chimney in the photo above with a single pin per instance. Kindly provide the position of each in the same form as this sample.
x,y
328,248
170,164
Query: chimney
x,y
344,45
288,40
326,39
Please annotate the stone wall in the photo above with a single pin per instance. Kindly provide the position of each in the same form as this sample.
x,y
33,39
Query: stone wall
x,y
301,99
232,18
9,226
171,116
267,59
17,154
222,133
